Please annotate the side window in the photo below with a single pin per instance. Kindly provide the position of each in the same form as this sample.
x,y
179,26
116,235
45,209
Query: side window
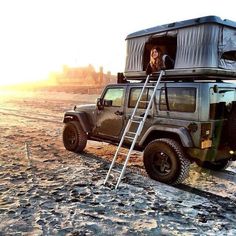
x,y
116,95
178,99
134,95
220,101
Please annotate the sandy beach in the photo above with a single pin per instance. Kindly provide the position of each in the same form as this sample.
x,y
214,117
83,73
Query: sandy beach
x,y
46,190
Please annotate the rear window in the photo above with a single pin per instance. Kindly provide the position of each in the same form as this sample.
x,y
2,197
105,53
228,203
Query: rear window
x,y
178,99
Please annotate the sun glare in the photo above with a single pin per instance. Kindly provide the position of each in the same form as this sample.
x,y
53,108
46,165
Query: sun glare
x,y
26,71
19,77
32,46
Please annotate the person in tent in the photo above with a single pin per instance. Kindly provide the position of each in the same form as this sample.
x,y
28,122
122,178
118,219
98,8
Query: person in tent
x,y
158,61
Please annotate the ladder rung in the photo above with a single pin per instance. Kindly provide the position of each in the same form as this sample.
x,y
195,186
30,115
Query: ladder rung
x,y
144,101
136,121
117,171
131,133
129,137
122,153
138,117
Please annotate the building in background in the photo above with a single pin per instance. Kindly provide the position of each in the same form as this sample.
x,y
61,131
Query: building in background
x,y
82,76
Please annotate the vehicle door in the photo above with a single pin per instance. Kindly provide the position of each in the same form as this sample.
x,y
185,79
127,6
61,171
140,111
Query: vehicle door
x,y
110,116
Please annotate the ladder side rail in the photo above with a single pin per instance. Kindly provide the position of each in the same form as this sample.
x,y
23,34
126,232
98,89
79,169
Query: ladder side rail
x,y
139,98
126,161
117,150
139,130
153,95
140,127
126,130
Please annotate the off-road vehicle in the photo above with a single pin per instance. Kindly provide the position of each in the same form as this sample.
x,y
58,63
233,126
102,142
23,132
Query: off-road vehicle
x,y
192,117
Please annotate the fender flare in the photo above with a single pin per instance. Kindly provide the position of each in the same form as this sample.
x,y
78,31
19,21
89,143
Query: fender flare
x,y
182,132
81,117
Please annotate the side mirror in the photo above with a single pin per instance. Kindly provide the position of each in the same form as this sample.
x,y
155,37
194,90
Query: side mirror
x,y
101,103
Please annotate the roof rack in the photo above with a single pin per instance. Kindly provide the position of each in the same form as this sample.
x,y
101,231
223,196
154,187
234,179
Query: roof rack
x,y
180,75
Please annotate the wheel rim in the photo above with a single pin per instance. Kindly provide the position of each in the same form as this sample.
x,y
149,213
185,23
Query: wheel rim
x,y
162,163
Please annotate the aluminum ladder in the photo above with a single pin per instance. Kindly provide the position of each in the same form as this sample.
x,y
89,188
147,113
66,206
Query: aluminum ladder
x,y
127,134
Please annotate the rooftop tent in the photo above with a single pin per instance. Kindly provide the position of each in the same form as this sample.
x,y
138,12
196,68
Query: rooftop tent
x,y
202,42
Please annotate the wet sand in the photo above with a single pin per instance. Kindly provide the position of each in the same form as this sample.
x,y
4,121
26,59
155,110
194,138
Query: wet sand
x,y
46,190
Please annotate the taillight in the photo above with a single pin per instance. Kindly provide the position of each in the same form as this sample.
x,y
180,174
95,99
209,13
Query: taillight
x,y
205,130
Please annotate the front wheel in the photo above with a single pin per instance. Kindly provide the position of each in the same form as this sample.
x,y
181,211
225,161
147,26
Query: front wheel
x,y
74,137
165,161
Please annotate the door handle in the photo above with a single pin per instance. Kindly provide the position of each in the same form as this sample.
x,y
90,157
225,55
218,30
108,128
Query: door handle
x,y
119,113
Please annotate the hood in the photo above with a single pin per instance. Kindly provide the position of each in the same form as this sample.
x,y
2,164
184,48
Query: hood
x,y
87,107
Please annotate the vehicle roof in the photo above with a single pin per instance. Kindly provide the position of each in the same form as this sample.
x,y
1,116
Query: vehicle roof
x,y
182,24
140,84
187,74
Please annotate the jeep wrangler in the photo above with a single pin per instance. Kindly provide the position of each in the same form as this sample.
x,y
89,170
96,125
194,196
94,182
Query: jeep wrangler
x,y
193,115
188,121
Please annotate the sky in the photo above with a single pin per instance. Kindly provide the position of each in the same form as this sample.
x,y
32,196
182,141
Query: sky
x,y
39,36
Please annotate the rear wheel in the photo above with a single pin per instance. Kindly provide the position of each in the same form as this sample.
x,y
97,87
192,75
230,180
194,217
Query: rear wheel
x,y
165,161
74,137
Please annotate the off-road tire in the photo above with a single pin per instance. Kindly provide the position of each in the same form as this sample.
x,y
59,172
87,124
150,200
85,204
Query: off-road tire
x,y
74,137
219,165
165,161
